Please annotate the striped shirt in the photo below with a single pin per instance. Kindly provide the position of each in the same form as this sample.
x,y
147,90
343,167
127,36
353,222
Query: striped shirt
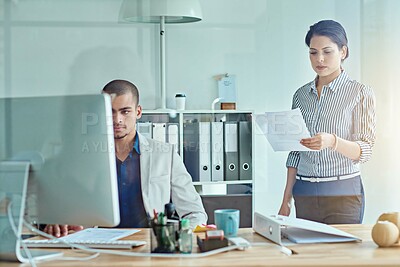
x,y
345,108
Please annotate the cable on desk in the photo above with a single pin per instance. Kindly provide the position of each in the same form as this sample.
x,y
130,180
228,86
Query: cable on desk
x,y
18,237
285,250
82,248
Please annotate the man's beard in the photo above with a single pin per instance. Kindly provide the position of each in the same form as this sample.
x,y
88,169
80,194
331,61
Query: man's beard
x,y
120,137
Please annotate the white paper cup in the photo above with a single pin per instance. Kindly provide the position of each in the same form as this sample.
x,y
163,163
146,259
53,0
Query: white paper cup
x,y
180,101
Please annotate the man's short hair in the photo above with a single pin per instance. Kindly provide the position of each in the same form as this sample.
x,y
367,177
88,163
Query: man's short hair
x,y
122,87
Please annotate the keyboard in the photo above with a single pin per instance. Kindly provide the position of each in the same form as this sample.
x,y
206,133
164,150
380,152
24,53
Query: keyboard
x,y
54,243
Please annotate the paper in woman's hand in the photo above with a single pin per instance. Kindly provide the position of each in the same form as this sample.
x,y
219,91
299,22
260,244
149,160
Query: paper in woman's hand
x,y
284,129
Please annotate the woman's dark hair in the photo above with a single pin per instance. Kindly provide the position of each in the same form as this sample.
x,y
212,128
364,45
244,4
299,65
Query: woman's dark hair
x,y
331,29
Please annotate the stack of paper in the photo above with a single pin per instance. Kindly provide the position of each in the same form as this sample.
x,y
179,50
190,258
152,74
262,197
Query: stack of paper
x,y
98,235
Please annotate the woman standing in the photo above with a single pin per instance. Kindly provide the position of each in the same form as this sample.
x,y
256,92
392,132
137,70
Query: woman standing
x,y
340,115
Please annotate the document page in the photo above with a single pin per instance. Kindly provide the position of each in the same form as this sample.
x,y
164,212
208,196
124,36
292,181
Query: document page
x,y
302,236
284,129
99,235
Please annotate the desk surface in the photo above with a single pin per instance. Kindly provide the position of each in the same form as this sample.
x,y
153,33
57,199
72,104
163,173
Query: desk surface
x,y
364,253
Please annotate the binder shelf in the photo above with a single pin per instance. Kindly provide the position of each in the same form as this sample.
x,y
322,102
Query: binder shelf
x,y
216,146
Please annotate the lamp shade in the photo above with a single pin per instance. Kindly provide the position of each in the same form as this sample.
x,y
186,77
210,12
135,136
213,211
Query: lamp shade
x,y
151,11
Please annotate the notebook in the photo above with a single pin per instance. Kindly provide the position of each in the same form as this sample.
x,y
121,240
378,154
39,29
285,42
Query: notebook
x,y
276,228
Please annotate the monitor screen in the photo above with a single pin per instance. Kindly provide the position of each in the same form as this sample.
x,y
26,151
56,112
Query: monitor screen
x,y
69,142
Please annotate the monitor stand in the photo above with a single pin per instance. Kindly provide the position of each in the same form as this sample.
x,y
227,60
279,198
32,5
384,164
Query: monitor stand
x,y
13,190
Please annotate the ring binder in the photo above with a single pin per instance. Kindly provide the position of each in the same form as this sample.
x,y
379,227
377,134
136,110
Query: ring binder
x,y
245,159
231,151
197,158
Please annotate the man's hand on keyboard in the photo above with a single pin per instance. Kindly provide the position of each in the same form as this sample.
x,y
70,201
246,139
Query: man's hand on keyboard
x,y
59,230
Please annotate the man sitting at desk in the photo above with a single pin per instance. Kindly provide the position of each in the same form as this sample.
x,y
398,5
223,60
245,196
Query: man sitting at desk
x,y
150,173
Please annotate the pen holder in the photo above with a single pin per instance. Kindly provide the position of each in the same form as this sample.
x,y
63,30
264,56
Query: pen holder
x,y
163,239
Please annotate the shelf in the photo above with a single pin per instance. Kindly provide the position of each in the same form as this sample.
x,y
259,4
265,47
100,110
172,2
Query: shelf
x,y
201,111
224,182
221,125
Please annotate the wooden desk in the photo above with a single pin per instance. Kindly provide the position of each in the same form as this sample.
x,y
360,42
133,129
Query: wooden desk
x,y
364,253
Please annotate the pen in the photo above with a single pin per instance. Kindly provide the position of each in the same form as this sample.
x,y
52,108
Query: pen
x,y
149,220
155,216
155,213
162,219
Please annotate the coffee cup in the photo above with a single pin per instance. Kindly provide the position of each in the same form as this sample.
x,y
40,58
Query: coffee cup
x,y
228,221
180,100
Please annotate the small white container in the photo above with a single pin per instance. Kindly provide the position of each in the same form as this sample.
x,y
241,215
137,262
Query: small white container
x,y
180,101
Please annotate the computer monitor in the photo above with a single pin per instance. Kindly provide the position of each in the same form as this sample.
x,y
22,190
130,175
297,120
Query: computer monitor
x,y
69,142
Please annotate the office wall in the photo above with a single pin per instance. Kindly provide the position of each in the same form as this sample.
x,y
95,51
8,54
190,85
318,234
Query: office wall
x,y
380,69
2,79
75,47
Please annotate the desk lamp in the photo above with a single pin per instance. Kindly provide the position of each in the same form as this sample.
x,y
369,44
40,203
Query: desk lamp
x,y
161,12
